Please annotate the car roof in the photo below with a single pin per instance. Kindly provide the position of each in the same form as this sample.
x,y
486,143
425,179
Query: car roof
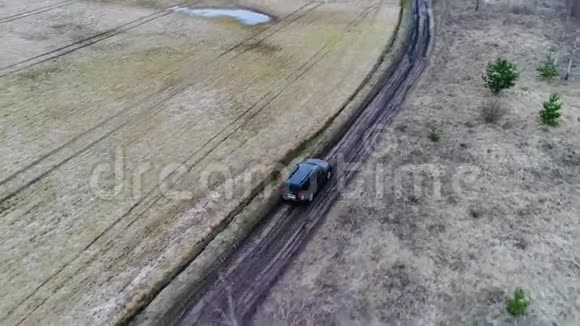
x,y
301,173
316,162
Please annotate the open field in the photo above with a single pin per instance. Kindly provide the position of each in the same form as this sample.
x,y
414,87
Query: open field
x,y
119,118
438,233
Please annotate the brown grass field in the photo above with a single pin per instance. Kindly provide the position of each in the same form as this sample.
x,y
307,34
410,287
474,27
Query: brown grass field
x,y
120,118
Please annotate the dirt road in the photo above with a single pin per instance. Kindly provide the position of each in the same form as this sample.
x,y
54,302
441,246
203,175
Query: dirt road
x,y
235,287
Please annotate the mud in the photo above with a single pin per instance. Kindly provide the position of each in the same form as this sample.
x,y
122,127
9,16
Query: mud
x,y
238,282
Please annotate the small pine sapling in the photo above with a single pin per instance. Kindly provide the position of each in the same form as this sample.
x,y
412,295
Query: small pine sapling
x,y
548,69
434,135
550,114
518,303
499,75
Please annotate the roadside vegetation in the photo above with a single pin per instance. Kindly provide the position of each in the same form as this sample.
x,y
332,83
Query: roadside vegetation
x,y
500,75
550,114
434,135
548,69
518,303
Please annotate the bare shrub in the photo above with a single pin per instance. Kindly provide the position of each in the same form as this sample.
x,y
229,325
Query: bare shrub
x,y
349,222
492,111
522,9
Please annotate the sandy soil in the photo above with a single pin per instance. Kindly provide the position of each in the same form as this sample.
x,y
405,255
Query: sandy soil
x,y
111,151
439,233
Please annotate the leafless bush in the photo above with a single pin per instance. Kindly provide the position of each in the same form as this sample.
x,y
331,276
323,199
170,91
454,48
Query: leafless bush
x,y
522,9
349,222
492,111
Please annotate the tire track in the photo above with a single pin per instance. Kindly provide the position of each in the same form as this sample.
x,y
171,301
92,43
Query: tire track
x,y
349,27
151,109
203,145
311,62
242,279
36,11
307,66
101,36
241,43
320,54
81,44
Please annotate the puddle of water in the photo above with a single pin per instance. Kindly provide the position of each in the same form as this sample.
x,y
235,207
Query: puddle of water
x,y
244,16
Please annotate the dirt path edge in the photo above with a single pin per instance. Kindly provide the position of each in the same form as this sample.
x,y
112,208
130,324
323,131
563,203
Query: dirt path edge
x,y
164,305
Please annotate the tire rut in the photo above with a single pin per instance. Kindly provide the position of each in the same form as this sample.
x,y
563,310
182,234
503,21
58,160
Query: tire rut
x,y
237,283
36,11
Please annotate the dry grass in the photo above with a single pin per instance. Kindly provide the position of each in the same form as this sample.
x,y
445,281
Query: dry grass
x,y
444,247
166,95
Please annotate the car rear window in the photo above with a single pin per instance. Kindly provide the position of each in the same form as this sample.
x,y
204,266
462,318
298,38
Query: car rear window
x,y
295,187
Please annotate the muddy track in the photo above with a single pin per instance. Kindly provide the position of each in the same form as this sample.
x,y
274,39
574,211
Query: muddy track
x,y
236,284
292,17
83,43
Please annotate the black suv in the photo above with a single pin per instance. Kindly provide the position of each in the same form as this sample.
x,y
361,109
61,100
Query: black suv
x,y
305,180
